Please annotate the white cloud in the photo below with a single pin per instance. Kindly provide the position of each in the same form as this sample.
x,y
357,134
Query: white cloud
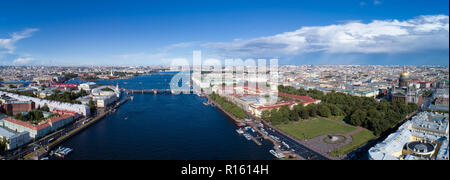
x,y
379,36
23,60
7,45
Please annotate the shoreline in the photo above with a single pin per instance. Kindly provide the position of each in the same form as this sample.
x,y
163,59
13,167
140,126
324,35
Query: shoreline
x,y
251,124
45,150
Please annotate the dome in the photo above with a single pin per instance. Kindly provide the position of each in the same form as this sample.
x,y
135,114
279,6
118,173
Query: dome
x,y
405,73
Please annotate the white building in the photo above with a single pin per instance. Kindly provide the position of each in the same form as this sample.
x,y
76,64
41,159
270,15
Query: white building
x,y
105,97
39,130
15,140
78,108
418,138
87,86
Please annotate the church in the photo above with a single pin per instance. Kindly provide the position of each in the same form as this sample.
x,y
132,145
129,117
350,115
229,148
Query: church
x,y
405,92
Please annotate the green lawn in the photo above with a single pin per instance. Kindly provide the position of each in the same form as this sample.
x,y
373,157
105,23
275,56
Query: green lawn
x,y
313,128
359,139
338,119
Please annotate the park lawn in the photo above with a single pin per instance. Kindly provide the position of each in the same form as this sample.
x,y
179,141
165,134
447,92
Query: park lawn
x,y
359,139
313,128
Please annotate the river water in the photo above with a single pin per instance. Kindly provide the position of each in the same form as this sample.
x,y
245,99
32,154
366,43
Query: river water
x,y
164,127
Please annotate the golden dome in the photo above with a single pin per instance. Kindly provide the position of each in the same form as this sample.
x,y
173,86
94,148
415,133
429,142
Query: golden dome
x,y
405,73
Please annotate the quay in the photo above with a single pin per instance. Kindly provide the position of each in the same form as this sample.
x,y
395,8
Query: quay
x,y
254,126
45,150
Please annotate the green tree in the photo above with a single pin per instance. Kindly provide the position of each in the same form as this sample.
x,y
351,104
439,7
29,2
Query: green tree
x,y
304,113
3,145
45,108
294,115
358,118
312,109
266,114
324,111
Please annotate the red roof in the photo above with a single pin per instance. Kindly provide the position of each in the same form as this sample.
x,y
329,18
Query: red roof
x,y
303,99
62,86
62,112
276,106
40,126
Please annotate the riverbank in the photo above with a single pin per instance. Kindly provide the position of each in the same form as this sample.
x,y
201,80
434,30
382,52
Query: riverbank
x,y
44,150
276,144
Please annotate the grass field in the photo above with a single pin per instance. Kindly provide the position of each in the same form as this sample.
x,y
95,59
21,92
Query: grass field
x,y
313,128
359,139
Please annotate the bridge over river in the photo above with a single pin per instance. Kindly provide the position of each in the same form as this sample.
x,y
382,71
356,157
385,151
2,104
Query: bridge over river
x,y
158,91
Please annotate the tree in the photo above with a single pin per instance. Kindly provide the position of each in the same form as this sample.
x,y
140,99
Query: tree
x,y
285,113
358,117
276,117
335,111
45,108
304,113
312,109
266,114
324,111
294,115
3,145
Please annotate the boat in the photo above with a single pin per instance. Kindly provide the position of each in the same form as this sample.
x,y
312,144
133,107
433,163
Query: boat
x,y
126,118
247,136
287,146
63,152
239,131
277,154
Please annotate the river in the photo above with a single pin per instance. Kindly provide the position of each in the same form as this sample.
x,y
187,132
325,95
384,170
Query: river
x,y
164,127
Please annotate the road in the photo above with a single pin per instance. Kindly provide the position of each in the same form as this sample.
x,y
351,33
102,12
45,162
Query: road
x,y
299,148
42,142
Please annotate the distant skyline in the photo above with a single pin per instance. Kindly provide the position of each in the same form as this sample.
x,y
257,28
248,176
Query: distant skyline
x,y
112,32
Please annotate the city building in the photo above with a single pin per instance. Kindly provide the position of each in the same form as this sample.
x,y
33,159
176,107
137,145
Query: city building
x,y
14,140
305,100
405,92
64,86
41,129
256,109
13,106
105,95
88,86
78,108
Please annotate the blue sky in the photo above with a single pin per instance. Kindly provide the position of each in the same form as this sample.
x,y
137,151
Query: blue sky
x,y
113,32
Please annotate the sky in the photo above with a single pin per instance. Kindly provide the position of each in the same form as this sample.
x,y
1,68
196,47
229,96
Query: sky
x,y
133,32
